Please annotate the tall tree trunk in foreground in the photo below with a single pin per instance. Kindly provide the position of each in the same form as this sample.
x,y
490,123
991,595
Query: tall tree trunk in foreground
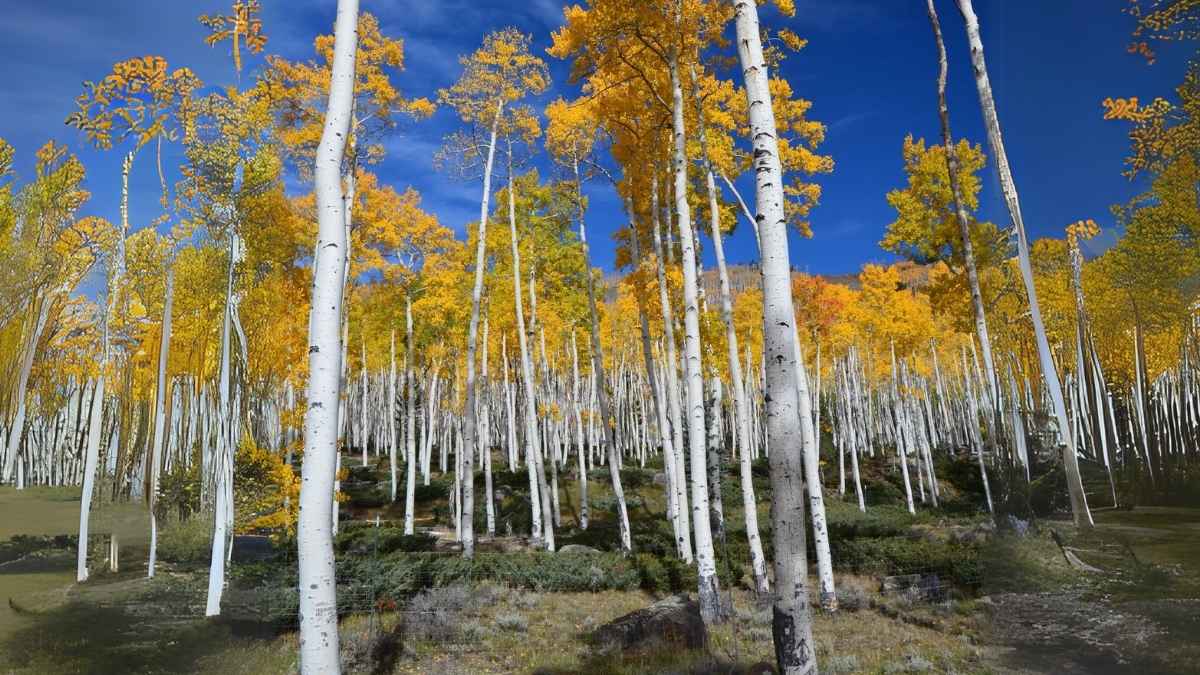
x,y
318,591
706,565
225,446
38,320
1079,507
470,424
92,448
964,227
164,350
391,412
792,620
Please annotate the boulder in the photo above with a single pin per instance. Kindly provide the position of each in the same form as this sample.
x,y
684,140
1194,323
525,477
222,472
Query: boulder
x,y
577,549
1018,527
673,621
660,478
917,587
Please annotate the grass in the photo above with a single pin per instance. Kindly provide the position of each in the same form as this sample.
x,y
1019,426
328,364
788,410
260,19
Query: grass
x,y
512,634
125,623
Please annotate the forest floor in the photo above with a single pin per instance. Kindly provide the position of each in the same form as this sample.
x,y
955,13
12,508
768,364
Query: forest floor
x,y
1139,613
1014,605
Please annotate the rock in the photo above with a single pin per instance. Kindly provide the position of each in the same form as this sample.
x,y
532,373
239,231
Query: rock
x,y
660,479
577,549
673,621
251,548
923,587
1017,526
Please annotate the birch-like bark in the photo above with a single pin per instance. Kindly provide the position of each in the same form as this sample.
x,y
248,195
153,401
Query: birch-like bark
x,y
1079,507
792,621
318,590
469,422
410,421
17,429
610,439
684,541
225,447
485,441
539,491
164,350
706,566
741,422
391,412
812,481
964,226
576,406
654,381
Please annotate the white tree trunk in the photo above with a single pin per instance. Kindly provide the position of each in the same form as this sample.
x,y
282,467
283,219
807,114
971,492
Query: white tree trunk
x,y
706,566
410,421
91,458
671,379
598,368
1079,508
318,590
391,412
812,480
792,620
164,351
539,497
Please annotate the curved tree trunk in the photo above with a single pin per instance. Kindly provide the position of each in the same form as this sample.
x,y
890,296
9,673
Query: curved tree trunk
x,y
318,591
964,227
1079,507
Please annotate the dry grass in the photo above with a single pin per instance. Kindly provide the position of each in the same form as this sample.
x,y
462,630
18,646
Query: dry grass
x,y
556,623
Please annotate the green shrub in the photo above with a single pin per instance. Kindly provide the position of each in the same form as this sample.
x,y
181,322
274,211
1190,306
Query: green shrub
x,y
189,541
402,574
954,562
369,540
438,488
367,494
845,521
658,574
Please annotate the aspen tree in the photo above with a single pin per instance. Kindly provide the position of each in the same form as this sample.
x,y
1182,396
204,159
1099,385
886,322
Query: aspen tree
x,y
792,621
500,73
1079,508
318,601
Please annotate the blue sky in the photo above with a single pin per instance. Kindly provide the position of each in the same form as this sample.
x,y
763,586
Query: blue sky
x,y
869,70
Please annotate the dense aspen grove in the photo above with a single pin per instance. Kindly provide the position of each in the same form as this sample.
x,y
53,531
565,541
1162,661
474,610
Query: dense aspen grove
x,y
289,315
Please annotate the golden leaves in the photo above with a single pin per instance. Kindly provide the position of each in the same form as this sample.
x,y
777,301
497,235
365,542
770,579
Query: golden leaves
x,y
1130,110
1081,229
794,42
297,92
243,25
1144,50
138,98
501,71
